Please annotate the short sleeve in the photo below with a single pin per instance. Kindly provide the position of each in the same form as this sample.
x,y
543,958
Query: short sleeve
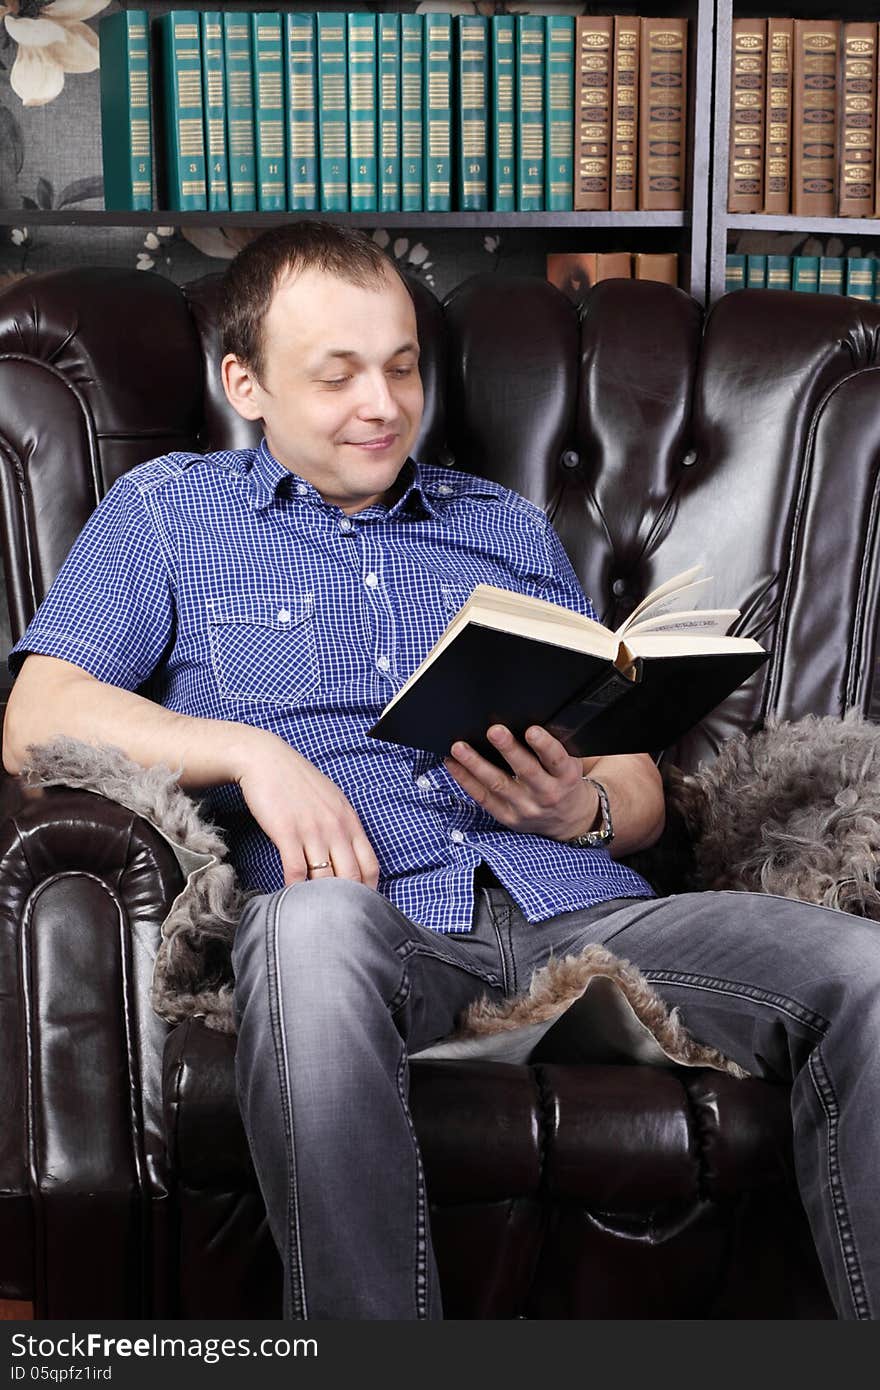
x,y
564,587
111,607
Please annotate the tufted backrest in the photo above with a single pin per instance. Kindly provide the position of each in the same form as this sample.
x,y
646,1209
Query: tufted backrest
x,y
654,441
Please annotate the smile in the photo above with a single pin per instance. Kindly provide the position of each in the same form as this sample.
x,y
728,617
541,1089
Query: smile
x,y
374,445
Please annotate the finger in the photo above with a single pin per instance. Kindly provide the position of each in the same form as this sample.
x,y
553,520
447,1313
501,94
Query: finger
x,y
552,754
366,859
319,861
293,866
491,788
522,761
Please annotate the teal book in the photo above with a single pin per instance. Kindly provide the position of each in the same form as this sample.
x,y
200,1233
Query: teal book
x,y
363,114
756,272
238,55
831,275
269,112
559,109
472,112
412,128
332,112
438,112
503,113
530,36
779,272
735,273
126,125
180,84
805,274
860,277
302,112
389,112
214,99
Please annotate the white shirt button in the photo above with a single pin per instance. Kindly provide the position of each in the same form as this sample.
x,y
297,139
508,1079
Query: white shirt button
x,y
383,663
346,525
444,489
372,581
457,836
424,783
283,615
302,489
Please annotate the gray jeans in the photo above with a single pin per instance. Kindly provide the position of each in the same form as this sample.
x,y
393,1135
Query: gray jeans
x,y
335,988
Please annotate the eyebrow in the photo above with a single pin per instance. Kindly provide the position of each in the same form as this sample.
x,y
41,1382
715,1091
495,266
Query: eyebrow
x,y
350,352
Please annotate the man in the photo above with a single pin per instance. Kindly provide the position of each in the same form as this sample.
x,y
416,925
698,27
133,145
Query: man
x,y
271,601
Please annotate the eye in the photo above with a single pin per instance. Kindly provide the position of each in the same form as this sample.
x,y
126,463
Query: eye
x,y
401,371
336,381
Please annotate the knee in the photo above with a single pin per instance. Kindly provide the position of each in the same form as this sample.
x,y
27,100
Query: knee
x,y
309,926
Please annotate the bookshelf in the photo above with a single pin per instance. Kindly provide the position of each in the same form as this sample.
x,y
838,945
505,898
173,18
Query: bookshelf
x,y
686,233
721,222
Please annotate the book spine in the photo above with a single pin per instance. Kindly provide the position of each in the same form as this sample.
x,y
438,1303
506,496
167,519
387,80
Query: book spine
x,y
332,111
662,113
389,112
831,275
302,112
559,106
412,129
858,103
814,119
756,272
269,115
615,265
438,112
594,40
735,272
214,99
472,112
745,180
779,272
126,124
777,120
503,104
363,177
181,66
660,265
805,274
860,277
237,53
625,114
530,45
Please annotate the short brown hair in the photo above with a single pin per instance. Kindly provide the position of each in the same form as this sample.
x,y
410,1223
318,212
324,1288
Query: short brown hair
x,y
254,275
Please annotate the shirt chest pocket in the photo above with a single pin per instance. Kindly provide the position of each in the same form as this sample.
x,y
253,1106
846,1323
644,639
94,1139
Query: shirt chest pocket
x,y
264,649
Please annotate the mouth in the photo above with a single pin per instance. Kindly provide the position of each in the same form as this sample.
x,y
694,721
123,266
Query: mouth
x,y
374,446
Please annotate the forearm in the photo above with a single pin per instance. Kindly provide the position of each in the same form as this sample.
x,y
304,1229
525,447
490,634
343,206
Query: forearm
x,y
635,794
52,698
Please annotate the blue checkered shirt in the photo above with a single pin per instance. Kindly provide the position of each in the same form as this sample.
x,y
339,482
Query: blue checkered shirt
x,y
223,586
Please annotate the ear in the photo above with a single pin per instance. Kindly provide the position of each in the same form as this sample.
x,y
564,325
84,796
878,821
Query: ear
x,y
243,390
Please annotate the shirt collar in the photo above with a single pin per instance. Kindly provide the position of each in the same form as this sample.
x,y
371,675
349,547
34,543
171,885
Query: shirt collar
x,y
267,478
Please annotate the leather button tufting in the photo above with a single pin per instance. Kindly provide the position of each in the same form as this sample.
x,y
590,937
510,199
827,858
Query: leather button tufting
x,y
618,588
689,459
570,459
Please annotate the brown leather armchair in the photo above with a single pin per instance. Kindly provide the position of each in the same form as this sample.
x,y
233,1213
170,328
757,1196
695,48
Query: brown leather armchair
x,y
654,441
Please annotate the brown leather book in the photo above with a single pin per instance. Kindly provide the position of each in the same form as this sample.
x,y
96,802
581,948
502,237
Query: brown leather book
x,y
814,117
745,170
613,265
777,123
662,113
661,266
593,40
573,272
857,114
625,114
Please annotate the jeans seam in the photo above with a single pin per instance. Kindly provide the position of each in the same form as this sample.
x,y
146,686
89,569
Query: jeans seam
x,y
406,949
279,1034
421,1260
715,985
824,1089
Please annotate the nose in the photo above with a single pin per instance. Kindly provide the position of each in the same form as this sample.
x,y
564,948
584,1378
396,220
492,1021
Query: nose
x,y
377,402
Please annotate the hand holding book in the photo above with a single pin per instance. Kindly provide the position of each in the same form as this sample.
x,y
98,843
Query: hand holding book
x,y
510,659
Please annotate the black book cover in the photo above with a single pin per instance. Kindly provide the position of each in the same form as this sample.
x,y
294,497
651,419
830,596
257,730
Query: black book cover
x,y
486,677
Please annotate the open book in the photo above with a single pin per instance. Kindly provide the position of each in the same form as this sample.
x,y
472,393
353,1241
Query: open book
x,y
510,659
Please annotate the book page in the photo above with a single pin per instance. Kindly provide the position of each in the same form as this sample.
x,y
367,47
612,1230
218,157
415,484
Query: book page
x,y
706,620
660,644
670,591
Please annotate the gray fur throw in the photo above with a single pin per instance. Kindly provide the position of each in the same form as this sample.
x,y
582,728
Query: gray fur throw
x,y
792,810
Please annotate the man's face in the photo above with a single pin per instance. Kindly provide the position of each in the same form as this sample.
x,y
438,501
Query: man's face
x,y
341,397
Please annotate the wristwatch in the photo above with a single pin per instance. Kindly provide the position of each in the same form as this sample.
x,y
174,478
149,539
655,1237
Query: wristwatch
x,y
594,839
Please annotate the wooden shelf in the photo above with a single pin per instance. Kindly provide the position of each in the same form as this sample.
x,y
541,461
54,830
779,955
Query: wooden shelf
x,y
770,222
539,221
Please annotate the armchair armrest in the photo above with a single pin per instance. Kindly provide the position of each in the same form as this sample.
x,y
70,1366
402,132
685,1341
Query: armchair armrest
x,y
84,887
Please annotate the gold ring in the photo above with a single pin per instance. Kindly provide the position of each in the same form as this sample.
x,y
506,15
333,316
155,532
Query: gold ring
x,y
324,864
